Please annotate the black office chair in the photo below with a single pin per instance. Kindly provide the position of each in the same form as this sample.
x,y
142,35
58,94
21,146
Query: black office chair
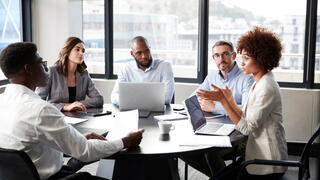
x,y
230,156
16,165
302,164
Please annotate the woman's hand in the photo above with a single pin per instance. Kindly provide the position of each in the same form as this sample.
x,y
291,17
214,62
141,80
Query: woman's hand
x,y
75,106
215,94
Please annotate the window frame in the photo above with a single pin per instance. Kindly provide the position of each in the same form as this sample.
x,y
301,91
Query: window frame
x,y
26,20
202,69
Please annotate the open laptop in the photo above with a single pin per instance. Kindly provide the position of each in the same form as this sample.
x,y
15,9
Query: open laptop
x,y
199,123
146,96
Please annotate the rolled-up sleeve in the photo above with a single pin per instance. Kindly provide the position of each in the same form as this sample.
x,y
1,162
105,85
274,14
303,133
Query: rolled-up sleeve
x,y
53,131
168,79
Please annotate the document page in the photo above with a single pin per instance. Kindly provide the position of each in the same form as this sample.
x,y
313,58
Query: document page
x,y
202,140
124,122
73,120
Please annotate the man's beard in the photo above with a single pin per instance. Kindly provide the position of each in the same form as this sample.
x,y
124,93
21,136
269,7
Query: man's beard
x,y
143,65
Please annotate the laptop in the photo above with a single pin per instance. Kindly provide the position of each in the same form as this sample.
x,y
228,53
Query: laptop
x,y
146,96
199,122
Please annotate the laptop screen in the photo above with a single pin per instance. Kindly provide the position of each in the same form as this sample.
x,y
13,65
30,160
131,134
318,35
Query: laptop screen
x,y
146,96
195,113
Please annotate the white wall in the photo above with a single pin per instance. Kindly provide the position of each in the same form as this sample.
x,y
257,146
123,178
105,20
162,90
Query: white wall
x,y
53,22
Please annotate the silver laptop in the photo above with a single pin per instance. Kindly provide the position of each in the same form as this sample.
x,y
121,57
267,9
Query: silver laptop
x,y
199,122
147,96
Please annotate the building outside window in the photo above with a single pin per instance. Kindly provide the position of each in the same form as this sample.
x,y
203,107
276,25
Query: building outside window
x,y
229,19
10,24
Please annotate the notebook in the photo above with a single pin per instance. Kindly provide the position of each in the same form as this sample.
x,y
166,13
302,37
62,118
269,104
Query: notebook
x,y
147,96
199,123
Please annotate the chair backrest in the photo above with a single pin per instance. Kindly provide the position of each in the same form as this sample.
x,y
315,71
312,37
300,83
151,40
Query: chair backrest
x,y
16,165
306,153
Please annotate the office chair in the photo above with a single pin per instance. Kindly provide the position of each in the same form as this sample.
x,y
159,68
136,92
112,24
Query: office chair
x,y
302,164
16,165
230,156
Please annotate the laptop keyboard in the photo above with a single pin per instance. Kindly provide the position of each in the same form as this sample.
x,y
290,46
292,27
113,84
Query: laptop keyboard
x,y
210,128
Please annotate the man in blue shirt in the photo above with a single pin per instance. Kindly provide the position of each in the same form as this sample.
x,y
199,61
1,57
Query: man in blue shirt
x,y
227,74
144,69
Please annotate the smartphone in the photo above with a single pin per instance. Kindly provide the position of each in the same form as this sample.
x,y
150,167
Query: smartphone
x,y
102,113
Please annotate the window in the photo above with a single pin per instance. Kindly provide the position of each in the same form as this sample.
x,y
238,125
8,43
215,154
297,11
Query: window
x,y
228,20
181,32
93,35
171,28
10,24
317,58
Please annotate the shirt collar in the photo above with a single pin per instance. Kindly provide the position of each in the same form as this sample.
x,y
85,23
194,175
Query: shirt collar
x,y
18,88
234,71
148,69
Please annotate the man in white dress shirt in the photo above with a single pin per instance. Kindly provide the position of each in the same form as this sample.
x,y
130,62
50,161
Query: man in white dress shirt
x,y
36,127
144,69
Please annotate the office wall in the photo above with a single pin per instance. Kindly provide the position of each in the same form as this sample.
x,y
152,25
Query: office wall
x,y
301,107
53,21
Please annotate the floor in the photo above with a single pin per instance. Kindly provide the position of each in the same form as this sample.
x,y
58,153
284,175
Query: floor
x,y
195,175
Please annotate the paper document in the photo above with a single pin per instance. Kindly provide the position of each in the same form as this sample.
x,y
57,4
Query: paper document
x,y
124,122
72,120
202,140
170,117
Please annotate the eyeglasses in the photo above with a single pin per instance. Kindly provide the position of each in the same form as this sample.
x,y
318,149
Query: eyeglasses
x,y
43,63
224,54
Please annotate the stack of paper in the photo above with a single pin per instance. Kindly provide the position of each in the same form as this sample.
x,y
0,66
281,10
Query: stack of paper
x,y
72,120
169,117
202,140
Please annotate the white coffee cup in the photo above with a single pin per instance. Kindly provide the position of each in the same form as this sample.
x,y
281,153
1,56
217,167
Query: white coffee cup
x,y
165,127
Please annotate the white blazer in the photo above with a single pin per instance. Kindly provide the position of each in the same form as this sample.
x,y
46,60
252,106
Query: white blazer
x,y
262,122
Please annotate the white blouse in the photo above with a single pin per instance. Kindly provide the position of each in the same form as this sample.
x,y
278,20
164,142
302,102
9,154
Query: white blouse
x,y
262,122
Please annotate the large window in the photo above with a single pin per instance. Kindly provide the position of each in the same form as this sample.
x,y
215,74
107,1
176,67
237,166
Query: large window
x,y
10,24
171,31
317,58
171,28
182,32
93,35
229,19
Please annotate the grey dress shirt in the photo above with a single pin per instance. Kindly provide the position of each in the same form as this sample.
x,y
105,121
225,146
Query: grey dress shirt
x,y
57,89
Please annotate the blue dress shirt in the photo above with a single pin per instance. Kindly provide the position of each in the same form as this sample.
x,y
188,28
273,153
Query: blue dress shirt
x,y
237,81
159,71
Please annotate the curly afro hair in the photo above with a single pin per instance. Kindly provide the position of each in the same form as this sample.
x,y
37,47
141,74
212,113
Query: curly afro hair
x,y
263,46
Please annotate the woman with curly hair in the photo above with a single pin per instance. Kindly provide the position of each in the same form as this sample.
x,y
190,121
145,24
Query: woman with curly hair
x,y
69,81
261,117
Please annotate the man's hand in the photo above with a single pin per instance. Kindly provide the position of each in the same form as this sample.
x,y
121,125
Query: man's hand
x,y
95,136
206,105
75,106
133,139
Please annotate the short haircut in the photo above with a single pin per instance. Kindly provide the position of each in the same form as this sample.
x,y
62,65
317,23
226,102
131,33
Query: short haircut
x,y
15,56
139,39
263,46
224,43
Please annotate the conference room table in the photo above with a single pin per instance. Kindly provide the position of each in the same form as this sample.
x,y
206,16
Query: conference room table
x,y
156,156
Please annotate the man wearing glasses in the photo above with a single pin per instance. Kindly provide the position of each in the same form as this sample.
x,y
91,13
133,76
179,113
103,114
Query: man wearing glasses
x,y
228,74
